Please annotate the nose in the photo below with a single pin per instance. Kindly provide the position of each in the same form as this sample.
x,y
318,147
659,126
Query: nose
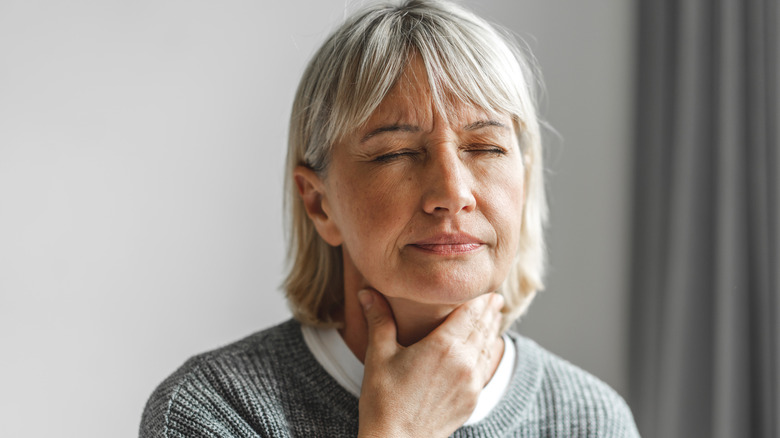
x,y
448,183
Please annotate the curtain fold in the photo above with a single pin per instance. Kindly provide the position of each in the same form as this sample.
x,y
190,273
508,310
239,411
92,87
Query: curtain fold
x,y
705,316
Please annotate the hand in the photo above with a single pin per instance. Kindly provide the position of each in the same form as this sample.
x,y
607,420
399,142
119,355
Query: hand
x,y
430,388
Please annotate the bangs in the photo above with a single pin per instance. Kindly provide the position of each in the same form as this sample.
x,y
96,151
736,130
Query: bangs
x,y
465,61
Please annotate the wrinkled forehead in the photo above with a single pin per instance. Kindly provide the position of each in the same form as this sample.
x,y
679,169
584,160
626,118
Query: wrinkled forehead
x,y
420,112
411,101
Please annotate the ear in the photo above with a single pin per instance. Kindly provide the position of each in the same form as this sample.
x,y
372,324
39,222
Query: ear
x,y
311,189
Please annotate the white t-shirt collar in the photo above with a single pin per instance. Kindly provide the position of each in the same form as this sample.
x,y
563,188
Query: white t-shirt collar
x,y
333,354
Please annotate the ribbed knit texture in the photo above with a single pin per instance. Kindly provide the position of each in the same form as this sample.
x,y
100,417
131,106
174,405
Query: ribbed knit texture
x,y
270,385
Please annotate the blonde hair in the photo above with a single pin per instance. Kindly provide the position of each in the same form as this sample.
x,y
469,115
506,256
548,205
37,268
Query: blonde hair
x,y
467,61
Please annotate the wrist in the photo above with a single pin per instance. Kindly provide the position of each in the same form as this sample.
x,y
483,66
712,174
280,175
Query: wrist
x,y
383,429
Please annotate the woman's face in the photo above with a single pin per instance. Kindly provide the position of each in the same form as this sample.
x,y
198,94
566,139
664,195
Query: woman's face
x,y
426,209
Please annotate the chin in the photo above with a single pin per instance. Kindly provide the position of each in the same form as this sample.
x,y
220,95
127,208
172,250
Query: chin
x,y
446,291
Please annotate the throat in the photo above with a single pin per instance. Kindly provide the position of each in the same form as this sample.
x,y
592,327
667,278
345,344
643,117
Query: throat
x,y
414,321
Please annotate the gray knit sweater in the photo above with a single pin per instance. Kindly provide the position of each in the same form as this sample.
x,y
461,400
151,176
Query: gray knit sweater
x,y
270,385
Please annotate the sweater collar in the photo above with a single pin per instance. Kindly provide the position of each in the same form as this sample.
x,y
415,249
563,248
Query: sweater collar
x,y
511,410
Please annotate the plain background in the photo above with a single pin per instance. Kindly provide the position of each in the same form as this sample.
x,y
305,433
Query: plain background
x,y
141,151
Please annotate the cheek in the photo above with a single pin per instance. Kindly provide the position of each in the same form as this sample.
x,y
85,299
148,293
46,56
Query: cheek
x,y
507,194
371,214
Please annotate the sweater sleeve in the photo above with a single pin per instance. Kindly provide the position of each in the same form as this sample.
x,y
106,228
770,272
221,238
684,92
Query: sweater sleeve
x,y
621,424
154,422
574,403
186,405
599,411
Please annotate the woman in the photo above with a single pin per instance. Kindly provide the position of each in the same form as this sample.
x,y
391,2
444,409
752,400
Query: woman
x,y
417,203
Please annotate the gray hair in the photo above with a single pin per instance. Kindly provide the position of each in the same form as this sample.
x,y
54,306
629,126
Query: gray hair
x,y
468,61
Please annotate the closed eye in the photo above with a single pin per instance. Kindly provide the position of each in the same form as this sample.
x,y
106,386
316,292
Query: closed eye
x,y
486,148
394,156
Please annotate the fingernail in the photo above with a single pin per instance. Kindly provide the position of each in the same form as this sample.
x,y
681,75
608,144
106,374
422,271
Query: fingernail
x,y
366,299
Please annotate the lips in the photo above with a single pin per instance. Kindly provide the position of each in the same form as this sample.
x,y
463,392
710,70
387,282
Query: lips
x,y
445,244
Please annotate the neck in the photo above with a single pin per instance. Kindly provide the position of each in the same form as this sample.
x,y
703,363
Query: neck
x,y
413,320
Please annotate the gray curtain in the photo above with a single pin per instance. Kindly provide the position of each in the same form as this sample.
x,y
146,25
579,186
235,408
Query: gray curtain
x,y
705,350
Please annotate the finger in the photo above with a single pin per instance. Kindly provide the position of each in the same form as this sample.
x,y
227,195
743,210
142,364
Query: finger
x,y
461,322
381,323
483,340
498,318
488,325
487,345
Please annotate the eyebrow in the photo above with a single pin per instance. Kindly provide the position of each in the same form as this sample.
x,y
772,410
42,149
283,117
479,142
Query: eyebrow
x,y
479,124
390,128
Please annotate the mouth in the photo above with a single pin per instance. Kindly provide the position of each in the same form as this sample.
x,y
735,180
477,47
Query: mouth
x,y
449,244
459,248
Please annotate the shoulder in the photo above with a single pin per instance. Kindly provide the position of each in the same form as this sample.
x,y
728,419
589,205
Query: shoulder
x,y
572,402
208,394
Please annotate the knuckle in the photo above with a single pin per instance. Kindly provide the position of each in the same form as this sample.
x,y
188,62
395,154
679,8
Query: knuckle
x,y
471,403
473,311
445,344
377,318
471,315
464,369
447,351
479,326
471,390
474,388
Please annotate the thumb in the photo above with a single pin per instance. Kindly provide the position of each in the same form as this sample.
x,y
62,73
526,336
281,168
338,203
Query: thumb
x,y
380,321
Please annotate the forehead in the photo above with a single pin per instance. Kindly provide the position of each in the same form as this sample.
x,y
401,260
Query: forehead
x,y
411,101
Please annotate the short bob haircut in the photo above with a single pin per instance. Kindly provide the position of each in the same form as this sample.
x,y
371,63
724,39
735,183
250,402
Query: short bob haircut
x,y
467,61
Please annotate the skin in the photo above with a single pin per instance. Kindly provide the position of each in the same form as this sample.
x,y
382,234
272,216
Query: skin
x,y
430,388
427,210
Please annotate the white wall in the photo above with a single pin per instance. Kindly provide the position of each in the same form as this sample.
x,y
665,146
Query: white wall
x,y
141,150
